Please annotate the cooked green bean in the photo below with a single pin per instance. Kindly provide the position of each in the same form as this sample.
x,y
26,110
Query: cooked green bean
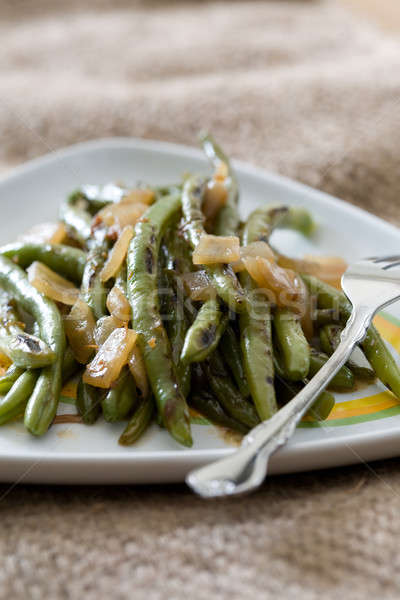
x,y
375,350
120,400
9,377
65,260
329,336
230,349
204,335
75,216
146,321
320,410
326,316
138,423
206,404
292,345
14,402
229,397
88,402
341,382
42,405
224,279
227,219
93,291
70,366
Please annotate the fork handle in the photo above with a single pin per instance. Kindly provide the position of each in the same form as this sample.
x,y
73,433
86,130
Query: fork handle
x,y
246,468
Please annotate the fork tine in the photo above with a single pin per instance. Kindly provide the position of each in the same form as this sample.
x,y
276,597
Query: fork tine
x,y
391,265
379,259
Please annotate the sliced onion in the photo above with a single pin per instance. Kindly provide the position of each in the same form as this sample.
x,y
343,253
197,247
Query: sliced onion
x,y
221,172
79,329
110,358
198,285
117,216
5,362
118,304
254,249
117,254
45,233
213,249
138,370
282,286
104,327
215,198
327,268
51,284
139,196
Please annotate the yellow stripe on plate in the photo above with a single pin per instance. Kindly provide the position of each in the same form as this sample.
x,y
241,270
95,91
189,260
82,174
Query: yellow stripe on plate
x,y
363,406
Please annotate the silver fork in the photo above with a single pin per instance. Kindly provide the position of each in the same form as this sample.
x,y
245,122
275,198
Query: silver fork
x,y
369,285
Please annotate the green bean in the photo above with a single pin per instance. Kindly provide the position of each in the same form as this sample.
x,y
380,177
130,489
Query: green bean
x,y
138,423
23,349
292,344
322,407
88,402
70,366
229,397
74,215
342,381
230,349
227,219
42,405
93,291
326,316
329,336
120,399
65,260
298,219
176,326
204,335
375,350
206,404
255,327
224,279
9,377
153,341
14,402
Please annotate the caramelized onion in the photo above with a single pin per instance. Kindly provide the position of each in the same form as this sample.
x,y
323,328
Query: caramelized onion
x,y
110,358
118,304
51,284
118,253
254,249
327,268
79,329
139,195
104,327
213,249
215,197
198,285
117,216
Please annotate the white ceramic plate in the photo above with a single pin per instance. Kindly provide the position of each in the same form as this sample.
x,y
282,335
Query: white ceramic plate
x,y
366,429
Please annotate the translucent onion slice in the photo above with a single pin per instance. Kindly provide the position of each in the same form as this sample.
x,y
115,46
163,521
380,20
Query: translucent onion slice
x,y
198,285
138,370
254,249
110,358
327,268
215,198
138,195
117,254
118,216
79,328
44,233
282,286
213,249
118,305
104,327
51,284
5,362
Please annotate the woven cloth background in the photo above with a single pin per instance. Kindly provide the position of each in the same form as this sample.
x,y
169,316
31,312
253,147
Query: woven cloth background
x,y
299,87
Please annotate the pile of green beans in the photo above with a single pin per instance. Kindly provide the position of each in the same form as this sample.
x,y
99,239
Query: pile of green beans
x,y
232,356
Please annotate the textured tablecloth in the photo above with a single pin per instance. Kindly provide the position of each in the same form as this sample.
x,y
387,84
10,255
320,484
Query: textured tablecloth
x,y
297,87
